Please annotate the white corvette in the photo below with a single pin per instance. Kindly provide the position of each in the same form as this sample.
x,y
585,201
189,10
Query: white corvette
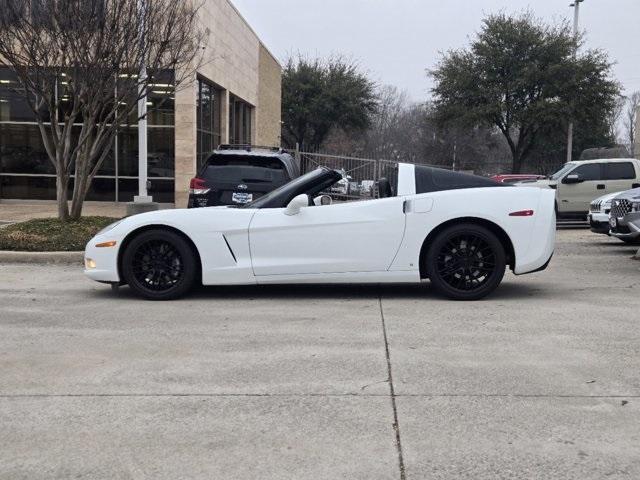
x,y
457,230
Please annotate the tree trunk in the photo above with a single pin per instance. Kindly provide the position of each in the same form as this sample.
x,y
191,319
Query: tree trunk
x,y
80,186
77,202
516,166
62,190
516,159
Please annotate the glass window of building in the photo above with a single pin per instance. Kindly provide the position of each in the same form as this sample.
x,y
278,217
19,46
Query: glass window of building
x,y
240,113
208,115
27,173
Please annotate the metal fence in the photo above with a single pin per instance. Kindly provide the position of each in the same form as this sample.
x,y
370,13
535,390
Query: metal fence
x,y
360,175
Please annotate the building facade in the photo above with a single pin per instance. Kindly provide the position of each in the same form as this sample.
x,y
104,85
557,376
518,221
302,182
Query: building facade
x,y
233,98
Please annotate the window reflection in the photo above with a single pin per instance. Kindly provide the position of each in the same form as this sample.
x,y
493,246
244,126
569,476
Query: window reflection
x,y
24,161
208,113
240,113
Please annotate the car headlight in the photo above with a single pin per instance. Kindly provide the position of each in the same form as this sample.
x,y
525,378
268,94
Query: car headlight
x,y
109,227
635,206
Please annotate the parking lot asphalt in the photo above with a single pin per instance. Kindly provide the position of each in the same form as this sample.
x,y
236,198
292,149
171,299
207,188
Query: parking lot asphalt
x,y
541,380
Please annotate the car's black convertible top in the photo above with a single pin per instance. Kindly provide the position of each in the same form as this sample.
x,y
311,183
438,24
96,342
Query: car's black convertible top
x,y
430,179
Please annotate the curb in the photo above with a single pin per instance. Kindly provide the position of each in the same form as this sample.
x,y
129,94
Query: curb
x,y
64,258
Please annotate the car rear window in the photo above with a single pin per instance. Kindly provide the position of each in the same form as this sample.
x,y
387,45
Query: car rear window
x,y
245,169
619,171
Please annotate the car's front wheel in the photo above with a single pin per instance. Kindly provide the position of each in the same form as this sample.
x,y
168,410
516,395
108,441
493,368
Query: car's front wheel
x,y
465,262
159,265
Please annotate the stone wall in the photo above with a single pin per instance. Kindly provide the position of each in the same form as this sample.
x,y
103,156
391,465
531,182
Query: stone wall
x,y
236,61
268,115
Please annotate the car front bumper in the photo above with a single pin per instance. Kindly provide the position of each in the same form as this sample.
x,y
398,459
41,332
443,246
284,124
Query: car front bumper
x,y
599,222
627,227
101,264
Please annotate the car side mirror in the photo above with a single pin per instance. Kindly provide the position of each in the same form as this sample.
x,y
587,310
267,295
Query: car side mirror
x,y
294,206
573,178
322,200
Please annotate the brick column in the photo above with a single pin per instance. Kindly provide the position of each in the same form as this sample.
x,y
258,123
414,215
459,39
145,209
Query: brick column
x,y
185,141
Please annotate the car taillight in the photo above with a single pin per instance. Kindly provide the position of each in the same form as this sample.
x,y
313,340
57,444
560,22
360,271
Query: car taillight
x,y
522,213
198,187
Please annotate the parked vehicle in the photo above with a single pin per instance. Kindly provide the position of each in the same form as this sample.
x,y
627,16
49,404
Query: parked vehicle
x,y
458,230
342,186
599,209
579,182
513,177
235,175
624,218
367,188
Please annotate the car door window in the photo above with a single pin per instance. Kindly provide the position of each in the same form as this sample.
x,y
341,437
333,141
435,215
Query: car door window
x,y
619,171
589,172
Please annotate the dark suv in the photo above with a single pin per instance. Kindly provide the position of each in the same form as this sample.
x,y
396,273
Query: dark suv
x,y
234,175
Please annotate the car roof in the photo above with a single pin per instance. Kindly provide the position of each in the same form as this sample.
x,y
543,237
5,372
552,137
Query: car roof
x,y
254,152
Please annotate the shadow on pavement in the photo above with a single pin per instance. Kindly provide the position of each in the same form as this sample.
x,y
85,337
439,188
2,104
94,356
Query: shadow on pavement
x,y
508,290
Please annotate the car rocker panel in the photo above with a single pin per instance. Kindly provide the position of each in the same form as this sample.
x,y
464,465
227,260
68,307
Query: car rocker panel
x,y
459,230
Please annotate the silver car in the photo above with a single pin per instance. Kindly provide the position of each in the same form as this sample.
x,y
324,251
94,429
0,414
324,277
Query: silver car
x,y
624,218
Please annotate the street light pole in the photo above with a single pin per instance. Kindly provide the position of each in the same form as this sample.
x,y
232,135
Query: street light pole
x,y
142,113
576,18
143,201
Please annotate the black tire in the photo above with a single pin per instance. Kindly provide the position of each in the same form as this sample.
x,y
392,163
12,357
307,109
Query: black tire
x,y
461,272
159,265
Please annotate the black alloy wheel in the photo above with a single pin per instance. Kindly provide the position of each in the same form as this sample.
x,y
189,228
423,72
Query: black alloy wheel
x,y
466,262
159,265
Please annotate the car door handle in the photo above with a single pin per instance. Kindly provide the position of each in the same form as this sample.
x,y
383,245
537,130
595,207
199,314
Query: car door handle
x,y
601,186
635,185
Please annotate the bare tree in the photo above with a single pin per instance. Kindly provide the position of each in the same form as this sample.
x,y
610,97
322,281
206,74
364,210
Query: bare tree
x,y
631,119
77,63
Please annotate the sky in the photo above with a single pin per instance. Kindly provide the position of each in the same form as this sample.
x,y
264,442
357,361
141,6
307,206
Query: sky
x,y
396,41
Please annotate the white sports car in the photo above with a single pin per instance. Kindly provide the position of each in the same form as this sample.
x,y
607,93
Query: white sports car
x,y
457,230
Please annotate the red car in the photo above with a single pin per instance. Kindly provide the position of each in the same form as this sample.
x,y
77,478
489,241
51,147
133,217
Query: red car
x,y
513,178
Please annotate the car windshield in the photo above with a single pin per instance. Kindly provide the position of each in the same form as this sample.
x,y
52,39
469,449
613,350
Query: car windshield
x,y
292,186
560,173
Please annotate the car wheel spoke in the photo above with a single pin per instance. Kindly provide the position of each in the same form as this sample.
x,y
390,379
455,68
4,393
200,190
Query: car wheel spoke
x,y
157,265
466,262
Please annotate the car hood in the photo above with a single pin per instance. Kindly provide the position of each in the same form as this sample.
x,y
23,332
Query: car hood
x,y
606,198
633,194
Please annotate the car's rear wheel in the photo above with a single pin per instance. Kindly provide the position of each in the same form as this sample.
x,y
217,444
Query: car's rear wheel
x,y
159,265
465,262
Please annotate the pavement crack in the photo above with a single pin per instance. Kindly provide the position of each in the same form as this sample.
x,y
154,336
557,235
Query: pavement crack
x,y
396,424
374,383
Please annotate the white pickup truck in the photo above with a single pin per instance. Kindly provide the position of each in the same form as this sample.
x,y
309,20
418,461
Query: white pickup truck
x,y
578,183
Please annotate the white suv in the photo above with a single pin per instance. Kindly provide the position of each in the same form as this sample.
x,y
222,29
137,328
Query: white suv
x,y
578,183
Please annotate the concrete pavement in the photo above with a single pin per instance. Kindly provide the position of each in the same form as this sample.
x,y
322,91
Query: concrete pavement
x,y
539,381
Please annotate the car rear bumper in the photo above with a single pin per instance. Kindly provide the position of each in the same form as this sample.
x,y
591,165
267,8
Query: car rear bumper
x,y
543,238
